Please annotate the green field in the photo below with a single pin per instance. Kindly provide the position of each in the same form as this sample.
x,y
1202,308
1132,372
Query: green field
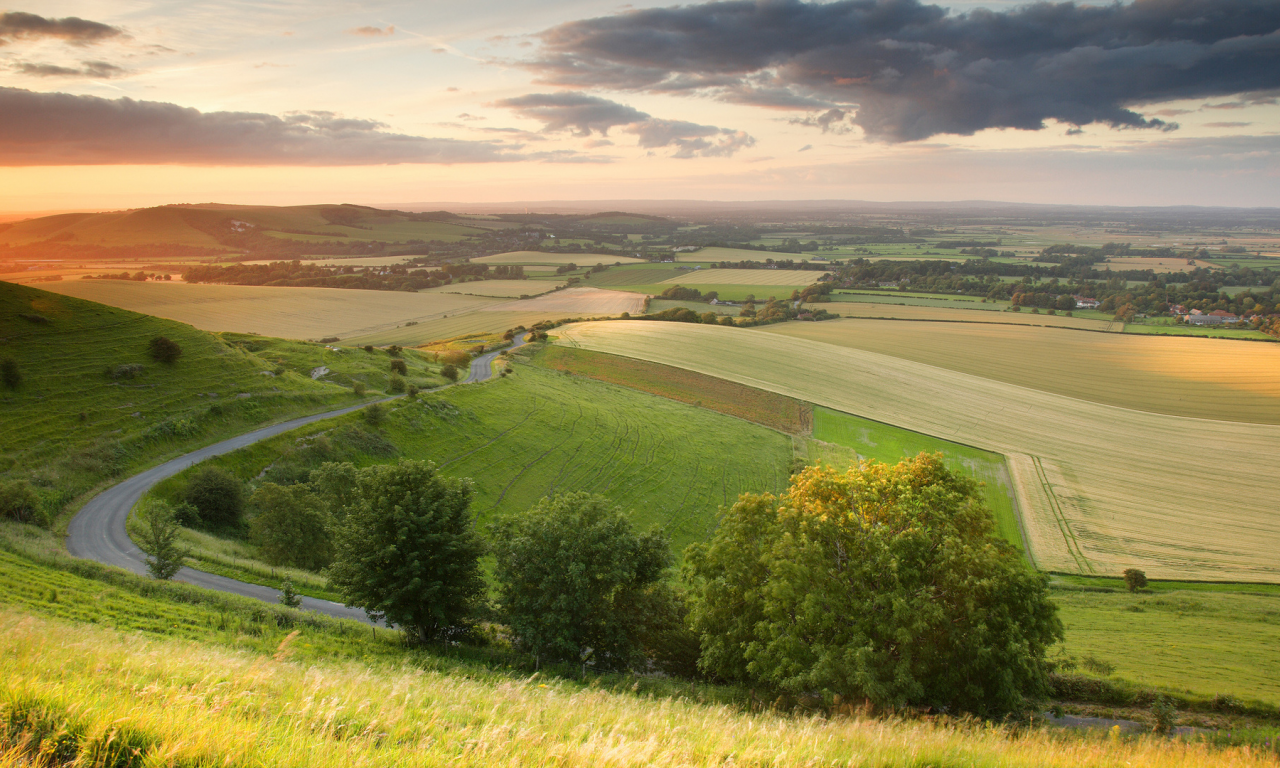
x,y
72,425
889,444
387,232
536,432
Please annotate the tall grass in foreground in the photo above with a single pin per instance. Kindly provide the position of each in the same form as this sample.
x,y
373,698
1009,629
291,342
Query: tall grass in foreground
x,y
99,695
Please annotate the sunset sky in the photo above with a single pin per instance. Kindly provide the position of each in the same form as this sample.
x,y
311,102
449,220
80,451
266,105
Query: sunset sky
x,y
1156,102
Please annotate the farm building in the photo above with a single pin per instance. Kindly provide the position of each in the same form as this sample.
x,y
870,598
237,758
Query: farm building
x,y
1084,302
1216,317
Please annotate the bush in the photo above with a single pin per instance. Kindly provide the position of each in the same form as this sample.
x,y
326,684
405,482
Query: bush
x,y
1163,714
126,371
289,596
368,348
406,549
1134,579
412,390
394,350
885,582
395,385
400,367
18,501
374,414
164,350
290,527
217,495
358,388
449,372
571,573
10,374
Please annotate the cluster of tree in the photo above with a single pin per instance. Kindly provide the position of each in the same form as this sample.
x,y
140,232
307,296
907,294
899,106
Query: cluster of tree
x,y
296,273
778,264
139,276
773,311
884,583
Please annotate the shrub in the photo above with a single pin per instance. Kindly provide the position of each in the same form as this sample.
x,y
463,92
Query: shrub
x,y
368,348
394,350
289,596
290,527
329,339
126,371
412,390
10,374
358,388
1163,714
18,501
217,495
449,372
400,367
395,384
374,414
164,350
1135,579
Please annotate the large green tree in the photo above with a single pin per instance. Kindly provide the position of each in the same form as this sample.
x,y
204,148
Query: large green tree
x,y
407,550
574,575
291,526
883,582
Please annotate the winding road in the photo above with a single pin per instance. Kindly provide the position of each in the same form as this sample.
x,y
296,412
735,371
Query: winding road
x,y
97,532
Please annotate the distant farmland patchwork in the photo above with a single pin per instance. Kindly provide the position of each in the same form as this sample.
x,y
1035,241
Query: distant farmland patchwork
x,y
1101,488
539,257
746,277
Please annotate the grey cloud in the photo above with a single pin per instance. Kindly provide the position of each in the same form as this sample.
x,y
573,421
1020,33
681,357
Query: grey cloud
x,y
62,129
17,25
576,112
805,148
99,69
831,121
908,71
584,115
1227,125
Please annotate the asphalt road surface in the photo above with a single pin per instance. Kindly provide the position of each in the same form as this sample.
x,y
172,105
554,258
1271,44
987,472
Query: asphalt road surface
x,y
97,532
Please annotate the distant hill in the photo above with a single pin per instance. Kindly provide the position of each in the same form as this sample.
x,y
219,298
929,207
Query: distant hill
x,y
218,228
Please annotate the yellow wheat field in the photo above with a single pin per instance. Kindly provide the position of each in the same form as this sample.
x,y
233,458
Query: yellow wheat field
x,y
501,289
747,277
1178,375
290,313
577,302
538,257
871,309
1101,488
201,705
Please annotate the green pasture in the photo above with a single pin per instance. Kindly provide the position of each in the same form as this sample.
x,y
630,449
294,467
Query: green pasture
x,y
918,300
889,444
1164,326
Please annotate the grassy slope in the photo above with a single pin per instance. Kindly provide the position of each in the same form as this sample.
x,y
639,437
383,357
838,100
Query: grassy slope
x,y
69,426
208,679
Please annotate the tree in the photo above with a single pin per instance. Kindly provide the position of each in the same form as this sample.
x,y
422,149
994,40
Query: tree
x,y
217,495
571,572
289,596
291,526
400,367
884,582
10,374
159,539
407,549
449,372
164,350
1135,579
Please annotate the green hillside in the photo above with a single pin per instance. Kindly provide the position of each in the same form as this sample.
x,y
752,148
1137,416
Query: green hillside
x,y
93,404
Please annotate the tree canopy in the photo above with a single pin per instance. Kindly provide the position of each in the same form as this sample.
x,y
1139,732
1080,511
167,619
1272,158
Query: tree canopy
x,y
406,549
883,582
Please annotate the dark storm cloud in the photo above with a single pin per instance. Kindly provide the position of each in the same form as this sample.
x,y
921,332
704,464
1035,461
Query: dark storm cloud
x,y
910,70
16,25
583,115
98,69
61,129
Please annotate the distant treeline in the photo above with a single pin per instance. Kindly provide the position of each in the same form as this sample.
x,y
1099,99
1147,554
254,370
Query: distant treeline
x,y
821,266
390,278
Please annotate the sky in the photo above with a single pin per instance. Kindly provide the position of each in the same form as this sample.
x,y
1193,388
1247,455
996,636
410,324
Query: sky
x,y
111,104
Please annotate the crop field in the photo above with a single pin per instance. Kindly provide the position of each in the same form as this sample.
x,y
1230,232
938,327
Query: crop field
x,y
538,257
295,313
576,302
1100,488
882,442
1150,328
788,277
624,277
969,314
918,300
498,289
471,322
1195,378
707,255
1159,266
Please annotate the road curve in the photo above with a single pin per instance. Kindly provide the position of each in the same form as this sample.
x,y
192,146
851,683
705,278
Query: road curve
x,y
98,532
